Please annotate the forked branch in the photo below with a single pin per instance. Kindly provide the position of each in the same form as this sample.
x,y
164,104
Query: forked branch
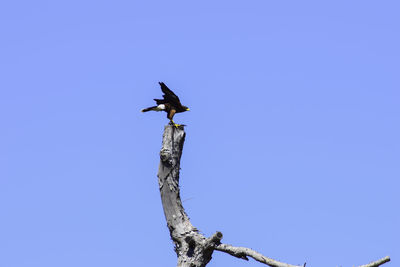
x,y
192,248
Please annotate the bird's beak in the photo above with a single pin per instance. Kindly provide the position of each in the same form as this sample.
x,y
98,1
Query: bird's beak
x,y
187,109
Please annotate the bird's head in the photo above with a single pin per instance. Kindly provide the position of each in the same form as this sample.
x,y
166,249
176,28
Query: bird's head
x,y
186,108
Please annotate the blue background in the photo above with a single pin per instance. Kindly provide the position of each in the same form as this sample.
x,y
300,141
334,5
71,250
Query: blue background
x,y
292,143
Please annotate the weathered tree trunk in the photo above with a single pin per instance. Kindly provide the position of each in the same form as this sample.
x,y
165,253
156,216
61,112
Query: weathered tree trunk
x,y
192,248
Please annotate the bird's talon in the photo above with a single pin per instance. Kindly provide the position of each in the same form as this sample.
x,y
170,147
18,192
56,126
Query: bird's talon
x,y
174,124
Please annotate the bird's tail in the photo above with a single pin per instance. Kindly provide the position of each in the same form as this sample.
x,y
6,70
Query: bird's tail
x,y
149,109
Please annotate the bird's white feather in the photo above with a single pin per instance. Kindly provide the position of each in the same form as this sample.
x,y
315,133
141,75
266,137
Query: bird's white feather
x,y
161,107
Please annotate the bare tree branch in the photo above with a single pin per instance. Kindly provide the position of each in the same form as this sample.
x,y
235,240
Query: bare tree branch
x,y
377,263
192,248
243,253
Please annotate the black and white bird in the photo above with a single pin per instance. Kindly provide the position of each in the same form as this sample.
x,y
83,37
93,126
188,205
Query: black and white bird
x,y
170,104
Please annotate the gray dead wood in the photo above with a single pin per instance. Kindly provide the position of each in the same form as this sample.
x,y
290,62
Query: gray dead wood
x,y
377,263
192,248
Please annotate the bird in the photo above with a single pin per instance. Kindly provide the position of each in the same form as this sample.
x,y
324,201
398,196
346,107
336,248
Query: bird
x,y
170,104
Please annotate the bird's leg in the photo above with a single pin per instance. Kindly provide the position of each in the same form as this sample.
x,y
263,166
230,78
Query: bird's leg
x,y
174,124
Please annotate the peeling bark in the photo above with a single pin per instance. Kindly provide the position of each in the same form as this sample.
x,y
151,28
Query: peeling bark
x,y
192,248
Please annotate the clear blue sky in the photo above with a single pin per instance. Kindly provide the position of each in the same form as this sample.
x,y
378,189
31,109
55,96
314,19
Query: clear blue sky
x,y
292,143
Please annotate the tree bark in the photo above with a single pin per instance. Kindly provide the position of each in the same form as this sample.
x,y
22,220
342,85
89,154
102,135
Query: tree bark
x,y
192,248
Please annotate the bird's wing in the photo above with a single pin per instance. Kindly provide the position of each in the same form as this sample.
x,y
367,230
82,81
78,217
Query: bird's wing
x,y
169,95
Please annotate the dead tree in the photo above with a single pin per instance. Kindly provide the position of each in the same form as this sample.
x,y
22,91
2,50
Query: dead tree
x,y
192,248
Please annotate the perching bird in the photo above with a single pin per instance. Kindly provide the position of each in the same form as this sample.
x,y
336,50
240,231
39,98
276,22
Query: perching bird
x,y
170,104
